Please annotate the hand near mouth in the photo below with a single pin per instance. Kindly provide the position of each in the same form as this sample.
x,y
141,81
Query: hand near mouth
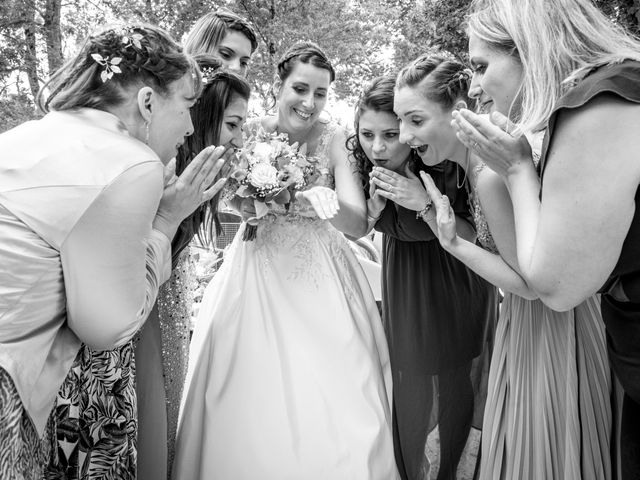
x,y
406,191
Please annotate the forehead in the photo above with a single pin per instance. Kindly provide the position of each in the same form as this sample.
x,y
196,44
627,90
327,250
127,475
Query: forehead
x,y
477,46
237,107
184,88
409,100
236,41
377,120
313,76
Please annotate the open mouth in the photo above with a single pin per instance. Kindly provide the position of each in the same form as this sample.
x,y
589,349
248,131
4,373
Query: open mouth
x,y
485,107
420,148
301,114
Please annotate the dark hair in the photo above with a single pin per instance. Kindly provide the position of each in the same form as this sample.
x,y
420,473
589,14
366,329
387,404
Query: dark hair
x,y
112,61
220,88
303,52
210,29
439,79
377,97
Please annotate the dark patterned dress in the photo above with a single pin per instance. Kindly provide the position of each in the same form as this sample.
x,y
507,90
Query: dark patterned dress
x,y
23,460
96,417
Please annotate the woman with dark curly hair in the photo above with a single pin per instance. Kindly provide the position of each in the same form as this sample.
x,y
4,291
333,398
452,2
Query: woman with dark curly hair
x,y
435,310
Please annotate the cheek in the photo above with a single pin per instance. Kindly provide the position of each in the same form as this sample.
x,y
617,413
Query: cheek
x,y
225,136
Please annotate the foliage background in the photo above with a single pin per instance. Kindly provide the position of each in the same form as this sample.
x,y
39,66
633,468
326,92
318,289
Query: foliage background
x,y
364,38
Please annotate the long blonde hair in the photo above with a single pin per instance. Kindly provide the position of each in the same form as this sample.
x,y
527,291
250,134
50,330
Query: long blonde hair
x,y
557,41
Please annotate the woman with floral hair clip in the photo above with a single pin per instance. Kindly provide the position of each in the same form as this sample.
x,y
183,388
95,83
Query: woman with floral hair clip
x,y
86,220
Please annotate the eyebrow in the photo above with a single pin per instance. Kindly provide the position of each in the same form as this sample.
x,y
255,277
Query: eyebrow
x,y
239,117
307,85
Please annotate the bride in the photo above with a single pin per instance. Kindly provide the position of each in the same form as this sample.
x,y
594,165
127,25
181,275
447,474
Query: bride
x,y
289,371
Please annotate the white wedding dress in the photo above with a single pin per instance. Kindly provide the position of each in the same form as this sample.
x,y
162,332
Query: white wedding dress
x,y
289,370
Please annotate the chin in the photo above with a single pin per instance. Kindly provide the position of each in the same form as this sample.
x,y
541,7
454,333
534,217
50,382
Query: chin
x,y
428,159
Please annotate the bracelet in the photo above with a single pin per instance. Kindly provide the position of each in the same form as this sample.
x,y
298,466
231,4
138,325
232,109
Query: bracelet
x,y
423,213
373,219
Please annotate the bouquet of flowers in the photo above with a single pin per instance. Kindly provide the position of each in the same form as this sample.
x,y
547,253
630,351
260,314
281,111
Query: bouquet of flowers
x,y
270,171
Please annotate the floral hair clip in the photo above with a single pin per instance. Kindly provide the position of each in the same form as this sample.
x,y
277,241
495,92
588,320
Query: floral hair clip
x,y
125,36
110,66
131,39
208,74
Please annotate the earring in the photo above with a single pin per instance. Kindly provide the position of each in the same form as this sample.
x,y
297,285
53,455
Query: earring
x,y
146,137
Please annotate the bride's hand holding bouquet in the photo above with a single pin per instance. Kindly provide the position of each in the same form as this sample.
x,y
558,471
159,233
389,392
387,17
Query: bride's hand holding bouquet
x,y
269,171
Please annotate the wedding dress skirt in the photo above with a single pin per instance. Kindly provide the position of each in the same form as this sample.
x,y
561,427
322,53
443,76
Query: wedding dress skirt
x,y
289,370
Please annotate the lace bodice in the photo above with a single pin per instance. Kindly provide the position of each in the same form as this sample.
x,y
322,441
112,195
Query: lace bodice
x,y
325,179
482,227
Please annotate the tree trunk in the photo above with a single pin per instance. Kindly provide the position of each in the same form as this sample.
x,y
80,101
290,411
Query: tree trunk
x,y
30,57
53,35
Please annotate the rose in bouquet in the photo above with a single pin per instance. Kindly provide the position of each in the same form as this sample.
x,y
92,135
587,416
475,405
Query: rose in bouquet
x,y
269,171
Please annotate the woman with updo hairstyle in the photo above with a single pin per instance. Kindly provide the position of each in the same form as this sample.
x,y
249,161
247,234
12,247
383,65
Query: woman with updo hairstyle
x,y
87,222
289,370
226,35
435,310
548,412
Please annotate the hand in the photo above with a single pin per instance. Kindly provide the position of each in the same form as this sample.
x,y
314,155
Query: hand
x,y
376,202
247,209
323,200
408,192
489,138
183,194
445,216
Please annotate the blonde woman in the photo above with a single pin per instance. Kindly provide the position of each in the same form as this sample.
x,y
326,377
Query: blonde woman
x,y
577,225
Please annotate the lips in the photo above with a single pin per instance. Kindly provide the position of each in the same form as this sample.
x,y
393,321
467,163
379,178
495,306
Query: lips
x,y
420,148
485,107
303,115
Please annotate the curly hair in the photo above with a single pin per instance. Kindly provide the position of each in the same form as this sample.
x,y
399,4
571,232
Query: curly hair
x,y
142,54
377,97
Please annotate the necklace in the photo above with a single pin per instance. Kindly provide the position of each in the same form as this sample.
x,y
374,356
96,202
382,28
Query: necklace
x,y
468,162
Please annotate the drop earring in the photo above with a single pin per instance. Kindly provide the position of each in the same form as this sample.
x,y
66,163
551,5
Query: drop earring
x,y
146,136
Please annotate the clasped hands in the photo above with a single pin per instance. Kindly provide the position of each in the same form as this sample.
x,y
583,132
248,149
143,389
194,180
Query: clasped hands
x,y
495,139
413,193
406,191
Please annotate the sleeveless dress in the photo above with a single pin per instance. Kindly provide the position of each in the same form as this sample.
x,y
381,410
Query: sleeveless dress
x,y
621,317
289,372
548,411
439,316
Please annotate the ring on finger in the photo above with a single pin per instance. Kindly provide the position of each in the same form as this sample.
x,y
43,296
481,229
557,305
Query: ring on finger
x,y
476,145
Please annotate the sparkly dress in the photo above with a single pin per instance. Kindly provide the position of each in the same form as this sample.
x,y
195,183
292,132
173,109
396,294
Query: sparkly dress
x,y
289,372
548,412
162,355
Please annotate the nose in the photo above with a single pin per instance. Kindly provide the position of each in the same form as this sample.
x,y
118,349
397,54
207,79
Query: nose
x,y
235,66
189,130
404,136
309,100
475,90
378,145
236,141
